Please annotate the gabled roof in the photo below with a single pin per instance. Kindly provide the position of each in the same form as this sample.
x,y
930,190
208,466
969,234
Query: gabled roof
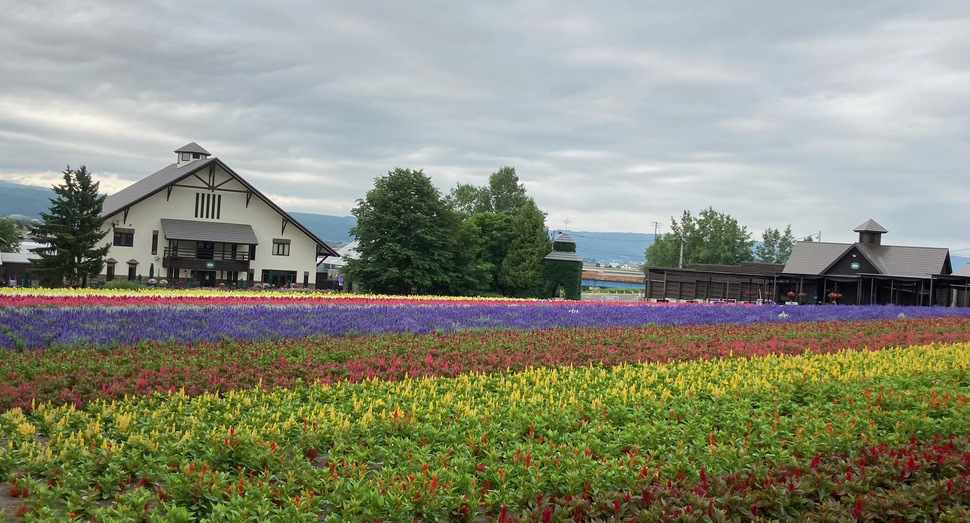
x,y
347,252
146,187
896,260
816,258
18,257
172,174
870,226
193,147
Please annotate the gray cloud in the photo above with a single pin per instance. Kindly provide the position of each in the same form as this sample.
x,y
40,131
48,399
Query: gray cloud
x,y
818,114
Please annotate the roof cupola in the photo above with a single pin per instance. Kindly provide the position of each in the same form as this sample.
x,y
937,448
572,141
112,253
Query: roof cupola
x,y
870,233
189,153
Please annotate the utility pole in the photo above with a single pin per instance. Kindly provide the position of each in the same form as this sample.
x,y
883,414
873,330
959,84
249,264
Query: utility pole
x,y
680,264
656,225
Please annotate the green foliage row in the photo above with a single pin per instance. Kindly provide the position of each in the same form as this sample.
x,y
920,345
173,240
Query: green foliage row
x,y
124,285
477,241
716,238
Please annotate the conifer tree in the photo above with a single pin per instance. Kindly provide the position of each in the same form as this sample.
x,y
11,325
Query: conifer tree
x,y
71,231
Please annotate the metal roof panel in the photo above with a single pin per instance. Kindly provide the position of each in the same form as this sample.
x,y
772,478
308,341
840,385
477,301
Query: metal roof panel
x,y
194,230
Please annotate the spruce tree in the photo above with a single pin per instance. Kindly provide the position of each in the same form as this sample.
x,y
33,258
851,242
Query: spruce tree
x,y
71,231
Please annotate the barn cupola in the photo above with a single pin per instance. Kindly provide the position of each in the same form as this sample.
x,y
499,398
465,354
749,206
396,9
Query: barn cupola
x,y
870,233
191,152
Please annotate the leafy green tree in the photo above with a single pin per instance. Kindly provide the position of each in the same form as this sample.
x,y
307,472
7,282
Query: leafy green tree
x,y
9,236
504,194
71,231
712,237
494,231
407,237
509,247
468,199
521,274
472,274
776,246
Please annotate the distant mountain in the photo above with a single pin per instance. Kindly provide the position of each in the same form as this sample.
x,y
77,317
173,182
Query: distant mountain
x,y
333,229
619,247
25,200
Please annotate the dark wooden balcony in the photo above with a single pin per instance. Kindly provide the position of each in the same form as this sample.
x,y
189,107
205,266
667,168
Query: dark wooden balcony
x,y
216,259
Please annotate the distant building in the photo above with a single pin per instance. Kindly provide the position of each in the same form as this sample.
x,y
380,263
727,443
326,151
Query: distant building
x,y
15,266
864,272
330,274
563,269
960,286
868,272
746,282
198,221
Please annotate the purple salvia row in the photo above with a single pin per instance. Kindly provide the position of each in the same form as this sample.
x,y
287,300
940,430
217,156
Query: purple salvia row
x,y
37,327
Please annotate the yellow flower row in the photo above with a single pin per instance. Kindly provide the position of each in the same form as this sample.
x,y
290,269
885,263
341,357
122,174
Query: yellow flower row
x,y
469,397
201,292
552,430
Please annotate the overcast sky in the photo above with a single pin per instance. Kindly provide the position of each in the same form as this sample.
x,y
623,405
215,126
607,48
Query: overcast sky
x,y
615,115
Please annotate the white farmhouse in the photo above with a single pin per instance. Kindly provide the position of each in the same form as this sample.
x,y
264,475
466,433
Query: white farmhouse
x,y
198,221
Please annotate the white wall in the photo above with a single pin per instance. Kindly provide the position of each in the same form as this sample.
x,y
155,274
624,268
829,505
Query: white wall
x,y
145,217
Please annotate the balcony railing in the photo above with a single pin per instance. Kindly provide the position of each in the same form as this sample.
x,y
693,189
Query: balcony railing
x,y
208,254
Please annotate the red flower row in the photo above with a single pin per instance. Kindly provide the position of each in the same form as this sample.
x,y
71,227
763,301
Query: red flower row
x,y
82,375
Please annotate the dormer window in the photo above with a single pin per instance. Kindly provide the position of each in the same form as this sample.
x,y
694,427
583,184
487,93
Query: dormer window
x,y
186,157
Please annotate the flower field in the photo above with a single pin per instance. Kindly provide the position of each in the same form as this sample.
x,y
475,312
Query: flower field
x,y
161,408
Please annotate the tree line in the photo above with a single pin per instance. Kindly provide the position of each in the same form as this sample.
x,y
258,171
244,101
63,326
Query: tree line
x,y
714,237
475,241
478,241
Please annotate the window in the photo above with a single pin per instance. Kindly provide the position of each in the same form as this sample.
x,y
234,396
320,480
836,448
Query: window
x,y
124,237
281,247
205,250
185,157
154,242
132,269
208,205
111,272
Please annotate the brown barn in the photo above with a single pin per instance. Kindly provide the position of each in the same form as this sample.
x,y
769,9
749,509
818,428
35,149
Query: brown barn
x,y
868,272
747,282
864,272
